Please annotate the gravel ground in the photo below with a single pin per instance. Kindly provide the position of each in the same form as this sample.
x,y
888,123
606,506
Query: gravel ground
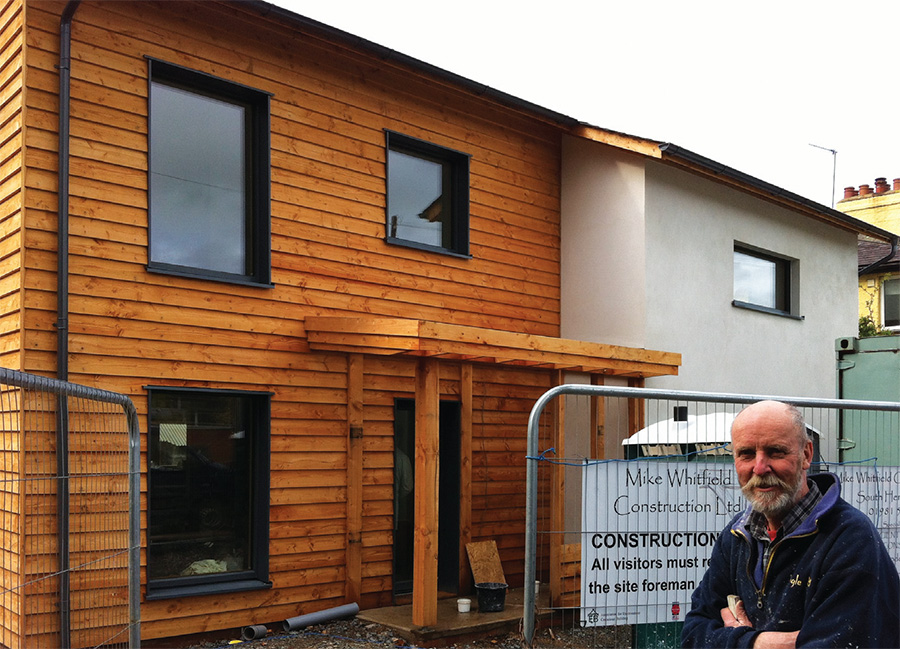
x,y
358,634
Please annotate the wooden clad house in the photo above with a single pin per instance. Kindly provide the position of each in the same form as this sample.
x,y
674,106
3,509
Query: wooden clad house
x,y
315,265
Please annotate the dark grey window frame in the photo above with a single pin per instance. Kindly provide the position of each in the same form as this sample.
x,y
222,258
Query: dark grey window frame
x,y
257,577
258,181
785,280
458,164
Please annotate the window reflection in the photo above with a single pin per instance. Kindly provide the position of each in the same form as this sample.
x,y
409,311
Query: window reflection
x,y
754,280
198,181
427,195
200,484
416,199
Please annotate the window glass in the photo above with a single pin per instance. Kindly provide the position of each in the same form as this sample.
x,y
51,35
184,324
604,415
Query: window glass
x,y
892,303
762,280
427,195
209,176
198,180
201,477
416,199
754,280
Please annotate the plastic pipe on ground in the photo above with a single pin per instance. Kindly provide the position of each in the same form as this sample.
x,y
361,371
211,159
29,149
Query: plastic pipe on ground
x,y
294,623
253,632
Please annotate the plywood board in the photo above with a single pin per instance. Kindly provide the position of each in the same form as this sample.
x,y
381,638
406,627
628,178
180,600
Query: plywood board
x,y
485,562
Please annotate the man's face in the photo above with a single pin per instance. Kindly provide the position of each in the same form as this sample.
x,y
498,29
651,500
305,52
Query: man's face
x,y
771,460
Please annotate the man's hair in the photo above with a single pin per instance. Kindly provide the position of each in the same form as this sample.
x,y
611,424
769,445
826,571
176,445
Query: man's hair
x,y
799,423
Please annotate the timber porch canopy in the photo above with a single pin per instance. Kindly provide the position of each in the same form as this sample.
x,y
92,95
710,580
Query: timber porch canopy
x,y
433,342
408,337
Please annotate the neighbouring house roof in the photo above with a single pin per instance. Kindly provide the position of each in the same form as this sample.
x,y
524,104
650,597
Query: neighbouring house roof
x,y
664,151
871,252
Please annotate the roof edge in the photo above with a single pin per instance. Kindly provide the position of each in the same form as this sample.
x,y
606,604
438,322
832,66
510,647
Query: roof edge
x,y
388,54
664,151
680,155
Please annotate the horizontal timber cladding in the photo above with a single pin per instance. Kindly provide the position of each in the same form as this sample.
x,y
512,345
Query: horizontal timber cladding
x,y
11,184
330,108
130,328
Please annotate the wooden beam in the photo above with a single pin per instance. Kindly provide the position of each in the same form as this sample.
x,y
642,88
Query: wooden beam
x,y
397,336
511,341
425,543
643,146
355,379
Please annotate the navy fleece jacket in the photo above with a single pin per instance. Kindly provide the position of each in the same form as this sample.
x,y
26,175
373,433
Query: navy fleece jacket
x,y
831,579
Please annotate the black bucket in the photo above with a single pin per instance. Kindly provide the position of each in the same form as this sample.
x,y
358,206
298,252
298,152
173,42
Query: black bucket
x,y
491,597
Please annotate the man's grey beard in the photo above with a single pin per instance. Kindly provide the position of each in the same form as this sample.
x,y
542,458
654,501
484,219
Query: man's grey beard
x,y
772,504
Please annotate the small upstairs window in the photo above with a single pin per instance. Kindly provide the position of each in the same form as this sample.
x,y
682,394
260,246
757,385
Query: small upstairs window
x,y
209,177
427,195
763,281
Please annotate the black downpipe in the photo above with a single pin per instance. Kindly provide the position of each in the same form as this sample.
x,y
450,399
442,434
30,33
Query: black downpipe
x,y
62,323
62,276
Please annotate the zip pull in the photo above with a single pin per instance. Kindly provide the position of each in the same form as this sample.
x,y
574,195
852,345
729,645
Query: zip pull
x,y
759,599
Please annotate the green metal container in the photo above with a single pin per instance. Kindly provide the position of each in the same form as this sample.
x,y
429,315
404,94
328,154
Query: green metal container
x,y
868,369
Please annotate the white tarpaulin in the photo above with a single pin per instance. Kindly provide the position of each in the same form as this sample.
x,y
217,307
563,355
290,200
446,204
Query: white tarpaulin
x,y
711,428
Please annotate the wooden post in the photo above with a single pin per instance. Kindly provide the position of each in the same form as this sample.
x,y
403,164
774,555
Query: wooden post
x,y
425,543
598,422
355,378
557,498
465,477
635,408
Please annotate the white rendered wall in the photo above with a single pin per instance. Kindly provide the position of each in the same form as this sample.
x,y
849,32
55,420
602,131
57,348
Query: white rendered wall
x,y
602,244
692,225
647,261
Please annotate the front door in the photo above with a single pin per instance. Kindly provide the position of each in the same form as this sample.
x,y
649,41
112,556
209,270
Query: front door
x,y
448,495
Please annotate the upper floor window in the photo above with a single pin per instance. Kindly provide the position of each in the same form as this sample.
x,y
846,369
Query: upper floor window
x,y
427,195
209,176
763,281
891,303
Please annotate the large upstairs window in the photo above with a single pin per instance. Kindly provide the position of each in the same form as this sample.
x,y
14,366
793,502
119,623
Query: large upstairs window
x,y
209,177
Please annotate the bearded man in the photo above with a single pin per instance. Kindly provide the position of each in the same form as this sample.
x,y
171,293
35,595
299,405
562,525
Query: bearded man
x,y
807,568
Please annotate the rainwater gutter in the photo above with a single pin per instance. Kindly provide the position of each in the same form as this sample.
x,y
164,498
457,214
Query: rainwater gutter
x,y
62,323
877,264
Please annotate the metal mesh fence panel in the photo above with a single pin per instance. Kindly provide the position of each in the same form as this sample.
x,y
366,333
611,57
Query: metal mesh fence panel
x,y
629,488
68,498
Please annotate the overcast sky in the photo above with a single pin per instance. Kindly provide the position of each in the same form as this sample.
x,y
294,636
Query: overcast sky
x,y
751,85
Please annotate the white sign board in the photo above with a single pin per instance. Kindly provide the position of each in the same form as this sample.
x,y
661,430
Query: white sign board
x,y
649,527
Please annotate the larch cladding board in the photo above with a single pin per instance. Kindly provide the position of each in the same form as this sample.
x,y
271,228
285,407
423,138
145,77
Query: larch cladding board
x,y
129,328
11,183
